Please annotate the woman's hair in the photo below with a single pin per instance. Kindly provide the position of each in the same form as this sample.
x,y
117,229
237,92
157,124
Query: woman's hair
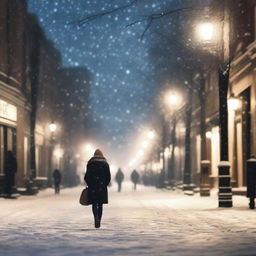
x,y
98,153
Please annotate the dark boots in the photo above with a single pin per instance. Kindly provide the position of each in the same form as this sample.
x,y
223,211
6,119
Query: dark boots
x,y
97,223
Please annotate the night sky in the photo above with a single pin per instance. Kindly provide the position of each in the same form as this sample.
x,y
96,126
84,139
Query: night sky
x,y
123,73
115,55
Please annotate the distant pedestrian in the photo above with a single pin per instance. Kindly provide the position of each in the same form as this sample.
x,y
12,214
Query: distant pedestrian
x,y
10,168
119,179
135,178
97,178
57,180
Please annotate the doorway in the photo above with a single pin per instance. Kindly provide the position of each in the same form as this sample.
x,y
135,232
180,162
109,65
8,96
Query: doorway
x,y
242,136
7,142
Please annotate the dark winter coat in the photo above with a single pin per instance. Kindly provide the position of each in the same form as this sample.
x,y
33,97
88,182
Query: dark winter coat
x,y
135,176
57,176
97,178
119,176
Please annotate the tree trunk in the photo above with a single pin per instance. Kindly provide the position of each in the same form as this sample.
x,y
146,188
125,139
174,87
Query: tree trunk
x,y
171,168
187,164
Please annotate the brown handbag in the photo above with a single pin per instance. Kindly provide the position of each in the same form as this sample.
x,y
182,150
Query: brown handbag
x,y
84,198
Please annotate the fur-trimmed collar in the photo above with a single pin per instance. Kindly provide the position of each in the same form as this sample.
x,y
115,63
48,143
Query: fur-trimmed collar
x,y
98,159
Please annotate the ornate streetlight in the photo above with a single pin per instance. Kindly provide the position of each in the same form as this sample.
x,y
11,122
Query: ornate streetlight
x,y
207,35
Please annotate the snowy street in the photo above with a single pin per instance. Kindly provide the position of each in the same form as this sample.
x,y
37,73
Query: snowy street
x,y
144,222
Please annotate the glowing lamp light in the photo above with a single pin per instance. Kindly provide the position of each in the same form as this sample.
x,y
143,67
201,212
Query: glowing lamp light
x,y
206,31
52,127
58,152
234,103
208,135
151,135
141,153
133,162
88,147
145,144
173,99
167,152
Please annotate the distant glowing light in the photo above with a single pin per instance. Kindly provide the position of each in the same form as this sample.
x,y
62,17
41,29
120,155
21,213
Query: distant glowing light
x,y
151,135
234,103
141,153
58,152
208,135
145,144
88,147
173,99
52,127
167,152
206,31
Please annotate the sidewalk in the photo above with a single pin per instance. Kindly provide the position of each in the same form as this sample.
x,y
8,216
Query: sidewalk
x,y
144,222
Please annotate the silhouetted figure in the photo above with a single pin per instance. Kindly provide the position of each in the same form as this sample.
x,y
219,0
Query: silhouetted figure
x,y
135,178
97,178
10,168
57,180
119,179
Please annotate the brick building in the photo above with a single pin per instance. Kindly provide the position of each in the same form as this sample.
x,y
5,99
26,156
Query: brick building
x,y
31,96
15,104
235,27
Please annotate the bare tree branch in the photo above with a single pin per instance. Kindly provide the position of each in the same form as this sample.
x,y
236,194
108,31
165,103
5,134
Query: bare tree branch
x,y
88,19
146,28
149,19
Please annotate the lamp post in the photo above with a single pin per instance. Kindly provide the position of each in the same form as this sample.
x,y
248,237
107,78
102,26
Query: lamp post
x,y
52,127
207,32
173,100
187,160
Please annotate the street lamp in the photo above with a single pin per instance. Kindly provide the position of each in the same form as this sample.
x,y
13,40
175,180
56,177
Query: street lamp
x,y
234,103
208,135
173,99
88,147
225,189
151,135
206,31
52,127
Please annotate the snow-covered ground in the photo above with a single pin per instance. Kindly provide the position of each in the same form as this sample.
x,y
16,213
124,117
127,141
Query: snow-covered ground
x,y
144,222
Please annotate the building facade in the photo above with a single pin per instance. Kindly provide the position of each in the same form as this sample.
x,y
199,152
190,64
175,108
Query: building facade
x,y
31,97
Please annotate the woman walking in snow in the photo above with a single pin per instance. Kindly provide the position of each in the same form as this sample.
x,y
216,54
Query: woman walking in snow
x,y
97,178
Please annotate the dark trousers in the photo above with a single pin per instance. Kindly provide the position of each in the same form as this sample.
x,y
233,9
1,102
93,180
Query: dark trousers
x,y
57,187
97,210
9,183
119,186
